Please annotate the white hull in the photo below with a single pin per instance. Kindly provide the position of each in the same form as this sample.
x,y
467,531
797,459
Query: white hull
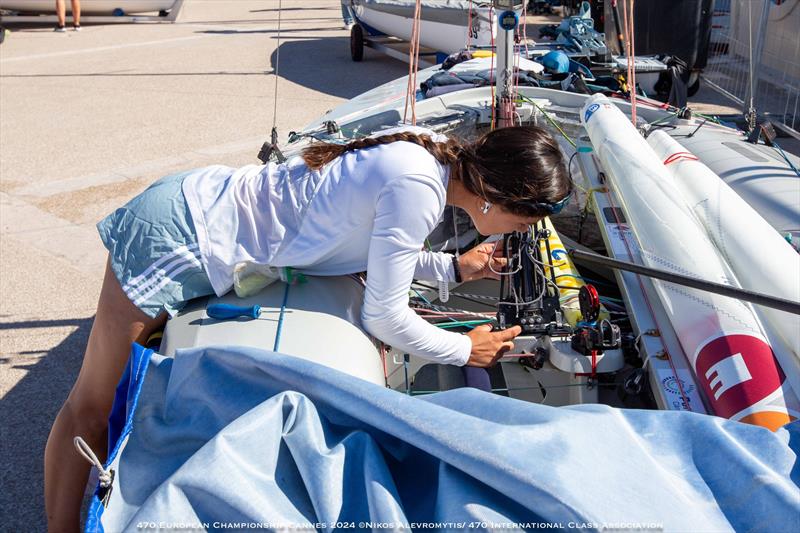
x,y
723,338
738,231
89,7
447,38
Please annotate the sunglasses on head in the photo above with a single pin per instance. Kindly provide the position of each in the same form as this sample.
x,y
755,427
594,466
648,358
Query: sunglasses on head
x,y
548,207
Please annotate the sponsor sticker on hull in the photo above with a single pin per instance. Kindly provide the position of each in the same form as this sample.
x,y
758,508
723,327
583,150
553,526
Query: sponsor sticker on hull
x,y
736,372
671,386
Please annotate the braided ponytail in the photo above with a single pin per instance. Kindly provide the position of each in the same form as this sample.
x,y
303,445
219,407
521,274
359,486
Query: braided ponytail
x,y
320,154
515,167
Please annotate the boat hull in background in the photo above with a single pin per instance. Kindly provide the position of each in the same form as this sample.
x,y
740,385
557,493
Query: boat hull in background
x,y
89,7
443,25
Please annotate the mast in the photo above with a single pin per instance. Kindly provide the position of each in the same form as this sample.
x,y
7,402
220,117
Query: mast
x,y
507,22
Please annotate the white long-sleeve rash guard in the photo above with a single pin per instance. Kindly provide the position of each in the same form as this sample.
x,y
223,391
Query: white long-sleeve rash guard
x,y
367,210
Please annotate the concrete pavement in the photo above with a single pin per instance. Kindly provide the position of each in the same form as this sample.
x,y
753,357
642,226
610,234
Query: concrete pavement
x,y
88,120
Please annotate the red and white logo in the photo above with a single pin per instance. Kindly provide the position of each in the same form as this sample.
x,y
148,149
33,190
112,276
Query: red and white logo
x,y
736,371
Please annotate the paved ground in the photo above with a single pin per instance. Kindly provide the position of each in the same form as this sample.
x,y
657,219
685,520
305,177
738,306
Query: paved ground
x,y
90,119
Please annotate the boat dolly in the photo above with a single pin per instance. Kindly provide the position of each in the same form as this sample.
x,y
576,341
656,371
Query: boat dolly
x,y
394,47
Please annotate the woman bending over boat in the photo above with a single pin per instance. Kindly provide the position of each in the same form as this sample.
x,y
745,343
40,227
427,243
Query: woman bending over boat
x,y
337,209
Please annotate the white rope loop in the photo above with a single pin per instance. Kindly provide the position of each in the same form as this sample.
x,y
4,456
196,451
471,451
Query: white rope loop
x,y
85,450
444,291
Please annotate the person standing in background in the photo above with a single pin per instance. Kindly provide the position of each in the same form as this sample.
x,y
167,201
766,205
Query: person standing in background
x,y
61,12
347,14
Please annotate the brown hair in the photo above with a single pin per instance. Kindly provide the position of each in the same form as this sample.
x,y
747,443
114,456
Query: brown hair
x,y
514,167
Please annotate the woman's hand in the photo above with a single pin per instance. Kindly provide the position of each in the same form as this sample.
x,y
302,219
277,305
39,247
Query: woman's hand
x,y
479,262
488,346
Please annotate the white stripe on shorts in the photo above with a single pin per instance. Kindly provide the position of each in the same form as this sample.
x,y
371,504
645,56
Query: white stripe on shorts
x,y
153,290
161,260
168,270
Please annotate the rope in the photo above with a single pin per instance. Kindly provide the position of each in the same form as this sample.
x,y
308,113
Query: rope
x,y
464,323
750,70
277,67
491,62
469,27
106,476
444,291
632,62
525,28
630,55
788,161
413,66
549,119
280,318
515,86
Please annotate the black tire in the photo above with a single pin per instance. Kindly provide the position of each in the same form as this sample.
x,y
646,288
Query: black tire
x,y
357,42
693,86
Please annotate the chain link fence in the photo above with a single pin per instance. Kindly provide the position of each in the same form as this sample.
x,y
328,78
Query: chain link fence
x,y
755,50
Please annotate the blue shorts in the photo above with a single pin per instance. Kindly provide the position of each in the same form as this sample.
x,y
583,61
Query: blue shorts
x,y
152,244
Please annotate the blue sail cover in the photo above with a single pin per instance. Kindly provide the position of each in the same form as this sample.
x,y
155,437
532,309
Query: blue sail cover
x,y
236,438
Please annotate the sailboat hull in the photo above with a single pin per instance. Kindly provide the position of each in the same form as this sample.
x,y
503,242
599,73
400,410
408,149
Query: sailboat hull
x,y
444,28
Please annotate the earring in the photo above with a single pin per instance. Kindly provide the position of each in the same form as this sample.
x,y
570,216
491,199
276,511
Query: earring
x,y
486,207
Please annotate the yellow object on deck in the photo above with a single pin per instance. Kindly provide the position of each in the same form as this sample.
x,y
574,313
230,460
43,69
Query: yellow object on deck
x,y
567,276
482,53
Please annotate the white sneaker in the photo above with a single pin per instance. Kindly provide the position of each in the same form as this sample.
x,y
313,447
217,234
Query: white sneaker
x,y
349,26
60,29
77,27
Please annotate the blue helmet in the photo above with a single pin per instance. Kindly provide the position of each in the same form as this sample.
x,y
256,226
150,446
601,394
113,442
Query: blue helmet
x,y
555,62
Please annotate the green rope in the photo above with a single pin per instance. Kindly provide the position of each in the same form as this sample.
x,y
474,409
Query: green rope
x,y
549,119
709,117
662,119
462,323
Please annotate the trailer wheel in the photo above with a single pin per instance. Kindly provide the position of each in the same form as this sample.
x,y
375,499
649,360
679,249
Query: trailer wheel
x,y
357,42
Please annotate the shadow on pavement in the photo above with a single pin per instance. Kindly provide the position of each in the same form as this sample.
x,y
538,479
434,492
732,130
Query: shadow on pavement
x,y
292,9
28,411
283,31
324,65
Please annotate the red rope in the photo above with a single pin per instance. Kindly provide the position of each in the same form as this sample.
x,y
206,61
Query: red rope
x,y
492,73
417,16
525,28
631,62
413,66
469,27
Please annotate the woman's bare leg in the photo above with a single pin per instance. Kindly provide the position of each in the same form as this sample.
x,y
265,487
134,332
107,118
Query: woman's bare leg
x,y
61,12
76,12
118,323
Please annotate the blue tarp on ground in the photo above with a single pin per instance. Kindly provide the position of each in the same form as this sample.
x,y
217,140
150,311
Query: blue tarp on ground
x,y
221,436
